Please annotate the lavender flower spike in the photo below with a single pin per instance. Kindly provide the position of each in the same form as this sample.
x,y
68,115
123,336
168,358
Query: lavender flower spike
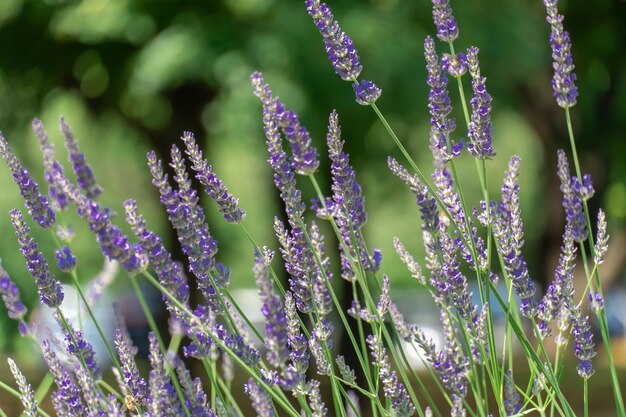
x,y
27,394
339,46
37,204
11,297
84,173
447,29
214,187
133,383
65,259
602,239
53,167
480,128
565,91
573,194
261,400
50,289
394,390
583,342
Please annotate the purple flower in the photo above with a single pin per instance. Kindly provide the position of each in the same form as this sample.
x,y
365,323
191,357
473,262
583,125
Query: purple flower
x,y
339,46
170,273
573,194
163,400
455,65
305,159
84,174
449,363
113,243
447,29
439,106
454,286
66,399
511,396
596,301
81,349
133,383
394,390
565,91
366,92
195,398
346,372
272,310
65,259
509,233
583,342
480,127
49,288
58,198
349,211
321,292
37,204
295,372
93,397
11,297
27,395
318,408
561,290
187,218
261,400
214,187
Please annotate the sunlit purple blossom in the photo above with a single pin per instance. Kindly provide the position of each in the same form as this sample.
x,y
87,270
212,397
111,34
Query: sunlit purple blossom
x,y
366,92
66,399
16,310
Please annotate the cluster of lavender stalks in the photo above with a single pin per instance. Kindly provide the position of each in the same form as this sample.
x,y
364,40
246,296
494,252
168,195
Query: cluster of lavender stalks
x,y
285,374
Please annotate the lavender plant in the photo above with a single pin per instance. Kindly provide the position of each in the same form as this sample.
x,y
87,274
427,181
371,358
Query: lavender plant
x,y
290,363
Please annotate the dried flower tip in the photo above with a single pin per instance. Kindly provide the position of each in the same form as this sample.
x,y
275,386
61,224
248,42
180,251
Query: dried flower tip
x,y
413,267
339,46
366,92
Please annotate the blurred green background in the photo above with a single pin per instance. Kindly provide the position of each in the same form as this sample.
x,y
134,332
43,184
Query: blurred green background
x,y
130,76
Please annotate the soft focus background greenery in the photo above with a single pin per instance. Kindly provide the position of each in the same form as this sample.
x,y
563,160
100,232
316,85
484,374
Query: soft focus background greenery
x,y
130,76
